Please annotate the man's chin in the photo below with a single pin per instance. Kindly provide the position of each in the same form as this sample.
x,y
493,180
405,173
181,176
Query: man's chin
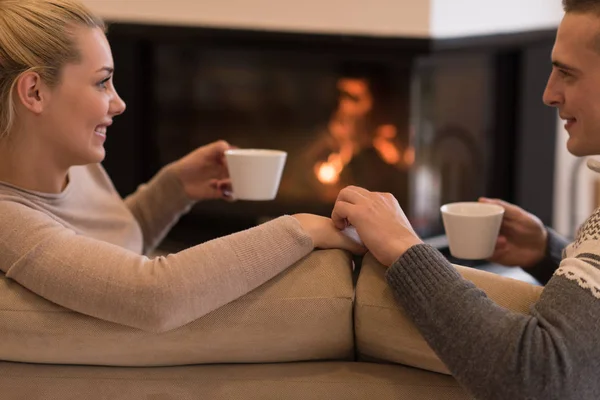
x,y
579,149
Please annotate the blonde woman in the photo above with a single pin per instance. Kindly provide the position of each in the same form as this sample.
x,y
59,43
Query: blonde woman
x,y
66,234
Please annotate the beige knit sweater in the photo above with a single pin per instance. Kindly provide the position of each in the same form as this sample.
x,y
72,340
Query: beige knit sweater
x,y
82,249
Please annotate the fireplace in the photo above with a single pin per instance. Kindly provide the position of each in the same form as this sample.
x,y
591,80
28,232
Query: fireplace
x,y
342,121
429,123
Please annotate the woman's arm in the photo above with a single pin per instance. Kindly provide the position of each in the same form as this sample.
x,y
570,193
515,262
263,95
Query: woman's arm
x,y
200,175
158,205
114,284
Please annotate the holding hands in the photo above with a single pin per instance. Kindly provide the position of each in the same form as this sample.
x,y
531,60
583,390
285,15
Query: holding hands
x,y
326,236
204,176
378,220
386,232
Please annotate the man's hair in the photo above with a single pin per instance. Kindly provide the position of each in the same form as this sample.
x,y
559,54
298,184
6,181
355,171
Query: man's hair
x,y
584,7
581,6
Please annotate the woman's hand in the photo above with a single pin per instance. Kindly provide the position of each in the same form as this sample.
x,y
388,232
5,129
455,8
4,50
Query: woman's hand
x,y
379,221
326,236
203,172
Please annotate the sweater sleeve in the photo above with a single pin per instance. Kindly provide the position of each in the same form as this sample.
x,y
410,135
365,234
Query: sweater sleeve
x,y
551,353
111,283
543,270
157,206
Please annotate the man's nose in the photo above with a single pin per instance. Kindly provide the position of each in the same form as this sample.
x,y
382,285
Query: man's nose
x,y
552,95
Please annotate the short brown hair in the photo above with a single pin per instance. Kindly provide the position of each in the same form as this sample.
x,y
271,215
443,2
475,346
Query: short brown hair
x,y
581,6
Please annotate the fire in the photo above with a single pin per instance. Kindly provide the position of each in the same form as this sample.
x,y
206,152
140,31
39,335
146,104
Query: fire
x,y
347,128
327,174
385,146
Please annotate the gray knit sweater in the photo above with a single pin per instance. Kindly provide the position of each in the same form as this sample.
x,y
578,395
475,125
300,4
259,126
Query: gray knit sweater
x,y
551,353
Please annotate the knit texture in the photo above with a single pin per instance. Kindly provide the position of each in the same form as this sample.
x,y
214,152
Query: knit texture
x,y
545,269
552,352
82,249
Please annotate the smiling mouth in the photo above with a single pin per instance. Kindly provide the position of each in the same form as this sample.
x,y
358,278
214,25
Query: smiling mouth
x,y
569,122
100,131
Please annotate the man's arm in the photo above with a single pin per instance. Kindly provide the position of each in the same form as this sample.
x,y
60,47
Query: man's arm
x,y
551,353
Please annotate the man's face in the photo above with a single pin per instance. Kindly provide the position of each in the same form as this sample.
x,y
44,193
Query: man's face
x,y
574,85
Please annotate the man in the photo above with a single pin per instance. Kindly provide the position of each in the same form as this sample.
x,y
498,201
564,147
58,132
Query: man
x,y
554,351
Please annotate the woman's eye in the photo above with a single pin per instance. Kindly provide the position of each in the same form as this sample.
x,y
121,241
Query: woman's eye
x,y
103,83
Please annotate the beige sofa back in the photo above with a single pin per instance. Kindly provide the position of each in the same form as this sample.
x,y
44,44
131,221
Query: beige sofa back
x,y
304,314
384,332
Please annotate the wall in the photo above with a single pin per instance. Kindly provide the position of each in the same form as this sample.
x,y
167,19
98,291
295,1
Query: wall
x,y
373,17
452,18
574,187
412,18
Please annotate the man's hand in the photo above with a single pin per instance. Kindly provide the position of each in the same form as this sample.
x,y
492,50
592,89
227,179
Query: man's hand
x,y
522,239
326,236
378,220
203,172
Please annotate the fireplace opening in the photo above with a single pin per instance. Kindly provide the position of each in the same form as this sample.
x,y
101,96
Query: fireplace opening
x,y
342,121
388,114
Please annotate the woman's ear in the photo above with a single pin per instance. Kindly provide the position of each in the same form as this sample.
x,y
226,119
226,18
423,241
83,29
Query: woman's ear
x,y
30,90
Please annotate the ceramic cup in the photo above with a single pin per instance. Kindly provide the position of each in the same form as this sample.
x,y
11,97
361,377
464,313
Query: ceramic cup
x,y
472,228
255,173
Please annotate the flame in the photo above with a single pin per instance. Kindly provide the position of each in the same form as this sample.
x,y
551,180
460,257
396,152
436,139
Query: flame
x,y
388,151
385,146
326,173
329,172
347,128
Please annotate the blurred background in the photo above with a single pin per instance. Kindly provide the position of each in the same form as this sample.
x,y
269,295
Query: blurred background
x,y
434,101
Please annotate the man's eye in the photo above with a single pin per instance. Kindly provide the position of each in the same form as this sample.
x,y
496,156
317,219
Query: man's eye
x,y
563,73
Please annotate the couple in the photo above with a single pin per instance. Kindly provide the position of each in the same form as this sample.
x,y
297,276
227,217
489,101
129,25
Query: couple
x,y
67,236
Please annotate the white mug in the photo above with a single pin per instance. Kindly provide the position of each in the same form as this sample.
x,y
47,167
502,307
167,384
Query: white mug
x,y
255,173
472,228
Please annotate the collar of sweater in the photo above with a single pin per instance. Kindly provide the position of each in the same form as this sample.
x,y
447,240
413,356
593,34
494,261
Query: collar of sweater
x,y
593,164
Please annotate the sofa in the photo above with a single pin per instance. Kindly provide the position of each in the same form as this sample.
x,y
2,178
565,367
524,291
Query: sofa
x,y
313,332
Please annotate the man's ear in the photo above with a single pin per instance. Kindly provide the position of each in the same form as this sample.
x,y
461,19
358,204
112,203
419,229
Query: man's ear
x,y
31,90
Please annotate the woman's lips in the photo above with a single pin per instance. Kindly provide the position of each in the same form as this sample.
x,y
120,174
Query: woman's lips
x,y
100,131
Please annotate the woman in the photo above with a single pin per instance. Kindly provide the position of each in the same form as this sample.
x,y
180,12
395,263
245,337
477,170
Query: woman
x,y
66,234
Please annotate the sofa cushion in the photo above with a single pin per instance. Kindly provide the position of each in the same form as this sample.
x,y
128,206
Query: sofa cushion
x,y
303,314
384,332
302,381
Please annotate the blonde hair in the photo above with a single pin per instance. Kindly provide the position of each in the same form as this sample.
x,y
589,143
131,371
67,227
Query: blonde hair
x,y
37,35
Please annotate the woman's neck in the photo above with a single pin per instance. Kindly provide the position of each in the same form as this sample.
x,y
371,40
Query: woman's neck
x,y
27,165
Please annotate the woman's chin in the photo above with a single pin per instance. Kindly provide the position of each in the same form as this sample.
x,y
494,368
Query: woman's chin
x,y
97,155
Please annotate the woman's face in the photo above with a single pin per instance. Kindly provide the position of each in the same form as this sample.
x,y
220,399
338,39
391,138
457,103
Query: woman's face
x,y
81,107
